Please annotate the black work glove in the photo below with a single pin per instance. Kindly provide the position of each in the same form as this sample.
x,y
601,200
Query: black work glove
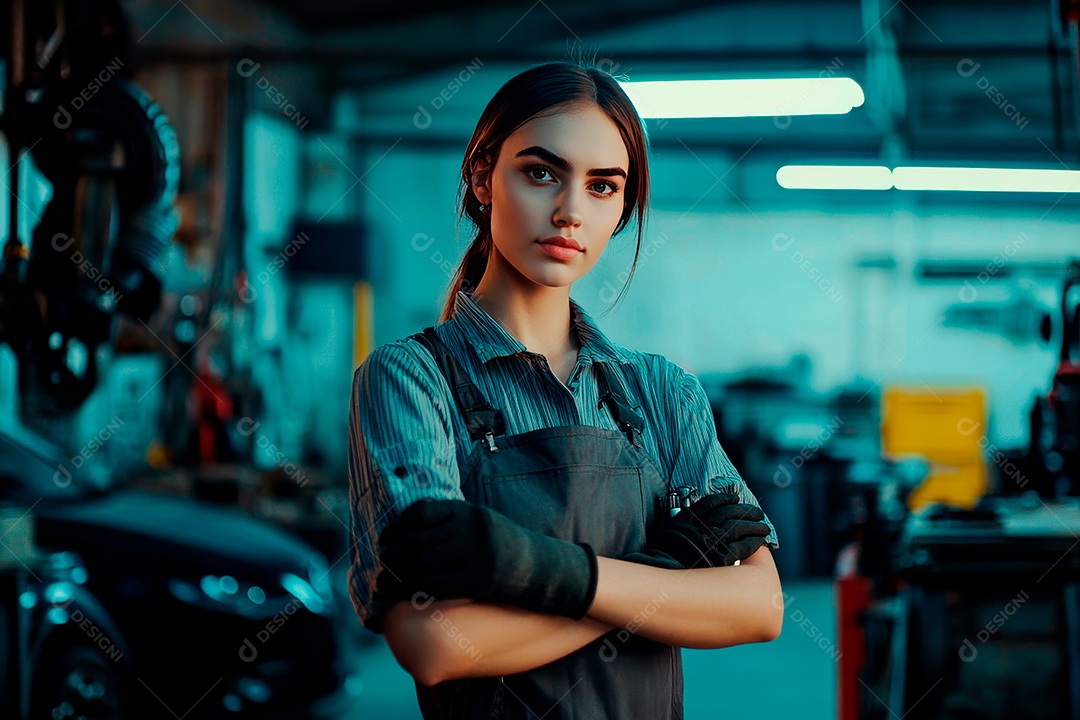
x,y
714,531
454,548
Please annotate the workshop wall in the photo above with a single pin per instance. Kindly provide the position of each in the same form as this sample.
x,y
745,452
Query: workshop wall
x,y
733,289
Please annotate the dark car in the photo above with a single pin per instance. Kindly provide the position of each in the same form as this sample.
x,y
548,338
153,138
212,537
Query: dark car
x,y
224,615
62,655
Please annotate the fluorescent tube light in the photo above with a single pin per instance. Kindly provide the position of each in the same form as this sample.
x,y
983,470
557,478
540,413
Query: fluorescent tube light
x,y
835,177
744,97
986,179
961,179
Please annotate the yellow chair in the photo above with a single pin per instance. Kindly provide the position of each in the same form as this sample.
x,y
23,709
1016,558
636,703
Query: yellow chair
x,y
948,429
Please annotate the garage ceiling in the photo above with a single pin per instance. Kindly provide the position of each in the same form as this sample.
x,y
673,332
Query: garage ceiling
x,y
943,80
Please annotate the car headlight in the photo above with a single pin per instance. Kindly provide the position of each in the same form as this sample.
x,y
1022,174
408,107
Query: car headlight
x,y
303,591
224,593
319,575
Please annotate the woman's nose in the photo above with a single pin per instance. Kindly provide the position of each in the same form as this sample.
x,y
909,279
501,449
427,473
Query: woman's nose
x,y
568,211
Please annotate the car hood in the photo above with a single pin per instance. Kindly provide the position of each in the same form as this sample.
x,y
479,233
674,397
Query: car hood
x,y
186,532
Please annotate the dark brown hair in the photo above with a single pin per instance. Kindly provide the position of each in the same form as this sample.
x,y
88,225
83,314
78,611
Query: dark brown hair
x,y
544,89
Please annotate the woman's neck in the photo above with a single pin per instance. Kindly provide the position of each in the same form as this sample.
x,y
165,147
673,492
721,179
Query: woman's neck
x,y
537,316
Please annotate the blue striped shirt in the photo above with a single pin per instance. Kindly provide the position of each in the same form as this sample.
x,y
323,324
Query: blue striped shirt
x,y
407,438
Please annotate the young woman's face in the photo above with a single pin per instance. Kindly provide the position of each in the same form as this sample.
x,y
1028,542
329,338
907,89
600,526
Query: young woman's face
x,y
562,175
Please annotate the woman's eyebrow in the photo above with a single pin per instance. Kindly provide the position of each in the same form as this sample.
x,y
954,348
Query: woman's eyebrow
x,y
564,165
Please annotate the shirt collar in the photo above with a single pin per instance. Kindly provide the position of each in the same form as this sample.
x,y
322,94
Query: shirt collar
x,y
491,340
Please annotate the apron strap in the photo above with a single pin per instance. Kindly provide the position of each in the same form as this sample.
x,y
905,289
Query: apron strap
x,y
484,421
613,394
481,419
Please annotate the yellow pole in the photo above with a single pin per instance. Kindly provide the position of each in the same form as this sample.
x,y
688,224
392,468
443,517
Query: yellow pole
x,y
363,321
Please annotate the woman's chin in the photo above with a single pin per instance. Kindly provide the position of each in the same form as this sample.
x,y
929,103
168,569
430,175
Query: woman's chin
x,y
554,277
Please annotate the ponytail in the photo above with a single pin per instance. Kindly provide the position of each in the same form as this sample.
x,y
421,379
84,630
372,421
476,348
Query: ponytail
x,y
469,271
477,163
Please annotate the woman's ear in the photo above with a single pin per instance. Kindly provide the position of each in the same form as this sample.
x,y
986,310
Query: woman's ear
x,y
480,178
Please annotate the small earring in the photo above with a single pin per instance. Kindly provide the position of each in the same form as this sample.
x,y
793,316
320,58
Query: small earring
x,y
482,207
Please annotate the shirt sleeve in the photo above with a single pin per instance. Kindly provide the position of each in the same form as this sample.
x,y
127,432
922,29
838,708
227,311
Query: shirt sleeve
x,y
695,455
401,449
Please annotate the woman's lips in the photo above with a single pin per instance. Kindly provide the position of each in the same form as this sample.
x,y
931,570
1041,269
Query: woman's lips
x,y
559,247
559,252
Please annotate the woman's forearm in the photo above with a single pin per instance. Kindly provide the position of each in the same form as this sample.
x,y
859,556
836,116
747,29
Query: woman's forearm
x,y
701,608
453,639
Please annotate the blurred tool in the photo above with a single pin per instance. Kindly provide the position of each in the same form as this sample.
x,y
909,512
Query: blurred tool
x,y
1055,418
113,162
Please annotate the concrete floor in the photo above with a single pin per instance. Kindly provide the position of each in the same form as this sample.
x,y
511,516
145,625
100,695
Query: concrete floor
x,y
794,676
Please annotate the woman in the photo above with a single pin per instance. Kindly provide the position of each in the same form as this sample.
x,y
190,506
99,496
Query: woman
x,y
512,462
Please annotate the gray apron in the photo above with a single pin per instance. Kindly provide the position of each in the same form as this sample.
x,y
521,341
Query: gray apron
x,y
577,483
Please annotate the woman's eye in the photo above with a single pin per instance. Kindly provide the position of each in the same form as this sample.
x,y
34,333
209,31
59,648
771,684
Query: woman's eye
x,y
612,188
531,172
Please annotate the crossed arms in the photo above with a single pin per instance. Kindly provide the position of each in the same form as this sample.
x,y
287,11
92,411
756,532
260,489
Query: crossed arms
x,y
703,608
